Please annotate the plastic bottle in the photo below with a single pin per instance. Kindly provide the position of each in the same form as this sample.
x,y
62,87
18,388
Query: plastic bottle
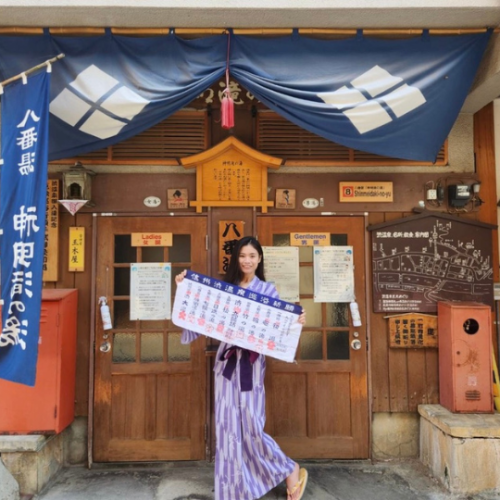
x,y
356,318
105,315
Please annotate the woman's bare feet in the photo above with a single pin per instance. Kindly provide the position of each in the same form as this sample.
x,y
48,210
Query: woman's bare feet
x,y
291,482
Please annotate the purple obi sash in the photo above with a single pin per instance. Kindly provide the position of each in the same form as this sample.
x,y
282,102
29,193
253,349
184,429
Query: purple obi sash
x,y
246,369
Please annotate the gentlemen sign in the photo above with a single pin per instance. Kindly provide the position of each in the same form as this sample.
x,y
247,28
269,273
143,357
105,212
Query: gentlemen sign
x,y
237,316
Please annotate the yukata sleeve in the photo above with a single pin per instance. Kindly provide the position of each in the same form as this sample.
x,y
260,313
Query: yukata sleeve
x,y
188,336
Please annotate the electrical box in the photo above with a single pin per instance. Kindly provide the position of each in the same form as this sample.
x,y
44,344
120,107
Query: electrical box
x,y
459,195
49,406
465,376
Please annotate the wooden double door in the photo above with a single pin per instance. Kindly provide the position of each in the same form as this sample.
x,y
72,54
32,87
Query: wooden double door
x,y
151,393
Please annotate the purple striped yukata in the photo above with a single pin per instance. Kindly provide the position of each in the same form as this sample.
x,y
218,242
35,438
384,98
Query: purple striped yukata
x,y
248,462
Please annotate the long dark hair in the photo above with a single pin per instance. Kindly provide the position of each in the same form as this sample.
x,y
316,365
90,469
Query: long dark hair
x,y
233,273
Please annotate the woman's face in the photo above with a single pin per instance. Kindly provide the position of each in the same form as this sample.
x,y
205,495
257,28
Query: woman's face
x,y
248,260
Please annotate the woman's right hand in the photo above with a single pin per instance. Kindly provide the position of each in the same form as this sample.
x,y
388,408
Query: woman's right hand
x,y
180,277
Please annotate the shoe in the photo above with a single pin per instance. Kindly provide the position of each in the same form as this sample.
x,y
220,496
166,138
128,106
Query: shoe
x,y
301,484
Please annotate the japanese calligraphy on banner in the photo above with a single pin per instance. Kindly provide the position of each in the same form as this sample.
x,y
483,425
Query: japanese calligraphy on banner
x,y
281,267
230,231
22,220
51,246
237,316
76,262
150,294
333,274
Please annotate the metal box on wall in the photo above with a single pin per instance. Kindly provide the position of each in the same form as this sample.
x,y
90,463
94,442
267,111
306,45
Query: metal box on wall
x,y
465,380
49,406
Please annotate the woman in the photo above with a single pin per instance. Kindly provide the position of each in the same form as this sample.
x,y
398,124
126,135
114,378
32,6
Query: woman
x,y
248,462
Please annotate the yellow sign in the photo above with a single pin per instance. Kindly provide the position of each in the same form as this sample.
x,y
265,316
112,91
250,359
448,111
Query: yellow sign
x,y
76,249
230,231
309,239
146,239
231,174
51,245
365,192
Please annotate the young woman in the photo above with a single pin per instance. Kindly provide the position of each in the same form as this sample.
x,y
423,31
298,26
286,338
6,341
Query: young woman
x,y
248,462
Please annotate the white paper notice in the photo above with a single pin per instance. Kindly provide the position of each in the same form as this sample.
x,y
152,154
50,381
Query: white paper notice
x,y
150,293
333,274
281,267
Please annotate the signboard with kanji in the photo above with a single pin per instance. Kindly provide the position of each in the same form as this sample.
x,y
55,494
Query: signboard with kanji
x,y
365,192
76,249
413,330
51,246
231,174
230,231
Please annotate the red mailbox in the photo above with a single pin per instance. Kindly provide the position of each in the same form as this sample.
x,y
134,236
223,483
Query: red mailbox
x,y
49,406
465,379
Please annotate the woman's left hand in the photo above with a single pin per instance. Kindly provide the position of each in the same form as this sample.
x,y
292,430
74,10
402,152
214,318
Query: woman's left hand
x,y
302,318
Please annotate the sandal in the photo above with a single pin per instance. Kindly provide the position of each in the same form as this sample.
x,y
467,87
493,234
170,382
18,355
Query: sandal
x,y
301,484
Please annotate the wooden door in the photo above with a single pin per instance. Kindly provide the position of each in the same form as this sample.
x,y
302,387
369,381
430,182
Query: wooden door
x,y
318,407
150,396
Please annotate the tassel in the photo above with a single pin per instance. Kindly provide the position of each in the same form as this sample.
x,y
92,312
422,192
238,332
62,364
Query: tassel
x,y
227,110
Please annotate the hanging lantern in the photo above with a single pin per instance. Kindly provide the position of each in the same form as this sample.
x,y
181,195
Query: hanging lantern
x,y
77,184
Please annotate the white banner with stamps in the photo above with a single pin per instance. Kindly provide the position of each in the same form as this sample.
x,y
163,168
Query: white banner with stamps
x,y
237,316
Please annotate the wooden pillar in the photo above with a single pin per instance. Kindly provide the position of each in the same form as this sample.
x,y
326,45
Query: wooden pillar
x,y
484,151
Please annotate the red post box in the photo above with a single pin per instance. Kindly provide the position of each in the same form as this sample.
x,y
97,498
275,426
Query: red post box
x,y
49,406
465,378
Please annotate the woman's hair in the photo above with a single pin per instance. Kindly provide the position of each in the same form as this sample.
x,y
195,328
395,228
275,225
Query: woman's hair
x,y
233,273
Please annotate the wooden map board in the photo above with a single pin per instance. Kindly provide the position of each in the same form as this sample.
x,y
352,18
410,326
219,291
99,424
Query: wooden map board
x,y
231,174
413,330
420,260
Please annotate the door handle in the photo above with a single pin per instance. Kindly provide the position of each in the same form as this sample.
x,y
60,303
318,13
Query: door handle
x,y
356,344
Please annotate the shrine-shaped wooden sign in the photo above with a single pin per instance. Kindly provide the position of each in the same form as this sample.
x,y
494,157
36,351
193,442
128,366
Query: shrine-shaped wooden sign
x,y
231,174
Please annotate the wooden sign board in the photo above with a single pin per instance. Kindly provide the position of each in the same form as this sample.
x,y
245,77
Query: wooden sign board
x,y
76,250
151,239
413,330
365,192
51,244
230,231
231,174
422,259
309,239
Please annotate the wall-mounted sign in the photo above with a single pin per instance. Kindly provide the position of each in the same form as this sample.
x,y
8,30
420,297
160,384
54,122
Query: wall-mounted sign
x,y
309,239
51,245
76,250
310,203
285,198
177,198
152,201
231,174
150,285
413,330
146,239
230,231
281,267
333,274
420,260
365,192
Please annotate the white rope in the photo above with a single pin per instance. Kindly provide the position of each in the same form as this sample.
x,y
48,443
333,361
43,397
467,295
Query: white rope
x,y
49,67
25,78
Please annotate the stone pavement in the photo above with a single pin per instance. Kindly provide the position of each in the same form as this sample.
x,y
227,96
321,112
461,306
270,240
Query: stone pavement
x,y
328,480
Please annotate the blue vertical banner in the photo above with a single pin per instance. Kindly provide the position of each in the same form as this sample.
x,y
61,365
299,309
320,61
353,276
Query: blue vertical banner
x,y
23,185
